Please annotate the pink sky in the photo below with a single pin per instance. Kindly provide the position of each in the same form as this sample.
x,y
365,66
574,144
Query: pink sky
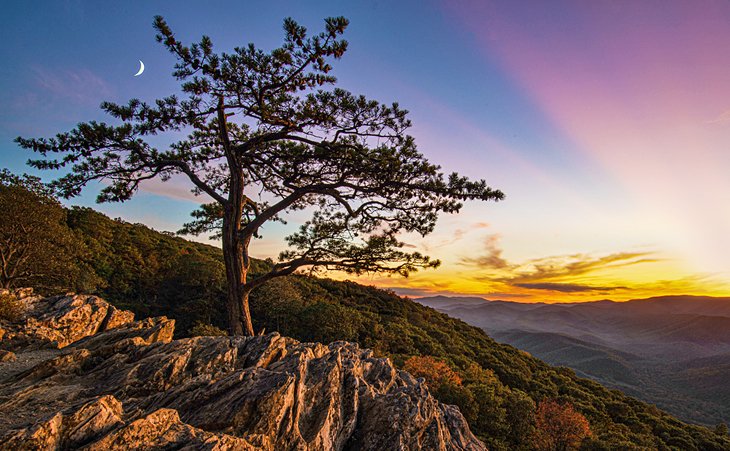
x,y
639,87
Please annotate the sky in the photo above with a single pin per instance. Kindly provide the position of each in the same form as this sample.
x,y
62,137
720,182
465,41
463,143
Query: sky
x,y
606,124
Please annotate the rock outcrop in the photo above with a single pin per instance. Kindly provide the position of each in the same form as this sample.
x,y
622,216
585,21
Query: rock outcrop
x,y
99,380
58,321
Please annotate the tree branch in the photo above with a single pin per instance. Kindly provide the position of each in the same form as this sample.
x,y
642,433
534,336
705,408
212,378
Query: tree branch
x,y
207,189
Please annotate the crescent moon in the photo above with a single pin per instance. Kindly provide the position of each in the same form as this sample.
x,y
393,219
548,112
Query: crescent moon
x,y
141,69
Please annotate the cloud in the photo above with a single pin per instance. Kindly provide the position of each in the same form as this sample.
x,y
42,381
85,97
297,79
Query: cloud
x,y
177,187
565,287
456,235
560,273
492,258
724,118
560,267
80,86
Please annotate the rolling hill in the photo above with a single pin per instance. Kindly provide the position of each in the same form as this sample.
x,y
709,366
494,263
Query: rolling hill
x,y
673,351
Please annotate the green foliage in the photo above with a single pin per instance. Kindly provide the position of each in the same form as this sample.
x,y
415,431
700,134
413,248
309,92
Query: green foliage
x,y
36,247
152,273
721,429
520,412
10,309
459,396
201,329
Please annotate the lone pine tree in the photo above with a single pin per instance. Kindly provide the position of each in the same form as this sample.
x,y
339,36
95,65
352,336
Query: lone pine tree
x,y
264,137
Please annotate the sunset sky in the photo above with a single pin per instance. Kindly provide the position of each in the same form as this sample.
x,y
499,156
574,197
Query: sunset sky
x,y
606,123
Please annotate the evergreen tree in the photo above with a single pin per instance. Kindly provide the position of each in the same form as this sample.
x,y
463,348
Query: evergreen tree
x,y
264,138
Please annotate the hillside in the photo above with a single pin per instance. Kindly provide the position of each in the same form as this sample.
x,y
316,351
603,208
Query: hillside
x,y
496,387
672,351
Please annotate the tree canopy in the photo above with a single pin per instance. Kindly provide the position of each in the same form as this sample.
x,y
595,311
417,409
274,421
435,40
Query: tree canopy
x,y
36,247
264,138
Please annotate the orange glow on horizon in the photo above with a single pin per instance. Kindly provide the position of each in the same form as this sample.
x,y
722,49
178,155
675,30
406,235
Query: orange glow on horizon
x,y
578,279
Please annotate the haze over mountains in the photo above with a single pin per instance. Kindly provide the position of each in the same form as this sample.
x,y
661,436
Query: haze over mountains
x,y
673,351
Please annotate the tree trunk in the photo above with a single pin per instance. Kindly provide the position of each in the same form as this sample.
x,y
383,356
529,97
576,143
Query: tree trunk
x,y
235,251
239,315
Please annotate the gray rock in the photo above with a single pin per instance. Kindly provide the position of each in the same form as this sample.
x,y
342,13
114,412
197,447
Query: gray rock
x,y
56,322
132,386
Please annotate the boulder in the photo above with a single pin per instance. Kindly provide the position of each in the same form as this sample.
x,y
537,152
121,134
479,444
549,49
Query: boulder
x,y
56,322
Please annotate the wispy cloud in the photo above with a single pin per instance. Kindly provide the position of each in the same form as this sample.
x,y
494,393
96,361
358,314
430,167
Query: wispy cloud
x,y
559,278
559,273
177,187
456,236
565,287
80,86
561,267
723,118
491,258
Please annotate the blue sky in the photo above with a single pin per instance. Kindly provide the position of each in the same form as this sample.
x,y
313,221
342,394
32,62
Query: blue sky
x,y
69,56
572,109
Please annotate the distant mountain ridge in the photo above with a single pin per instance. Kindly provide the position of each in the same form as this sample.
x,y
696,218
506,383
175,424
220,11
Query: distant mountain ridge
x,y
673,351
707,305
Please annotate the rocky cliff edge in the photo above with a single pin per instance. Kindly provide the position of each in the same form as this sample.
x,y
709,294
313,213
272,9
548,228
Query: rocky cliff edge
x,y
77,373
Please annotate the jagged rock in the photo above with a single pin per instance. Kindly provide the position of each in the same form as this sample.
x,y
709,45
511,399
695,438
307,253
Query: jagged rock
x,y
66,319
98,425
93,419
58,321
163,429
133,386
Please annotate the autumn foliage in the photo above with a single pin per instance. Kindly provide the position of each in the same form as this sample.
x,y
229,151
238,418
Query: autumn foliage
x,y
435,371
559,427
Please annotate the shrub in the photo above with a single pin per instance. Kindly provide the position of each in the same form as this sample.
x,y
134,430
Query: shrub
x,y
201,329
559,427
435,371
10,309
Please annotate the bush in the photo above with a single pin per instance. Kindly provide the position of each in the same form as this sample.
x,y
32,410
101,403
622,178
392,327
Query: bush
x,y
560,427
10,309
436,372
201,329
